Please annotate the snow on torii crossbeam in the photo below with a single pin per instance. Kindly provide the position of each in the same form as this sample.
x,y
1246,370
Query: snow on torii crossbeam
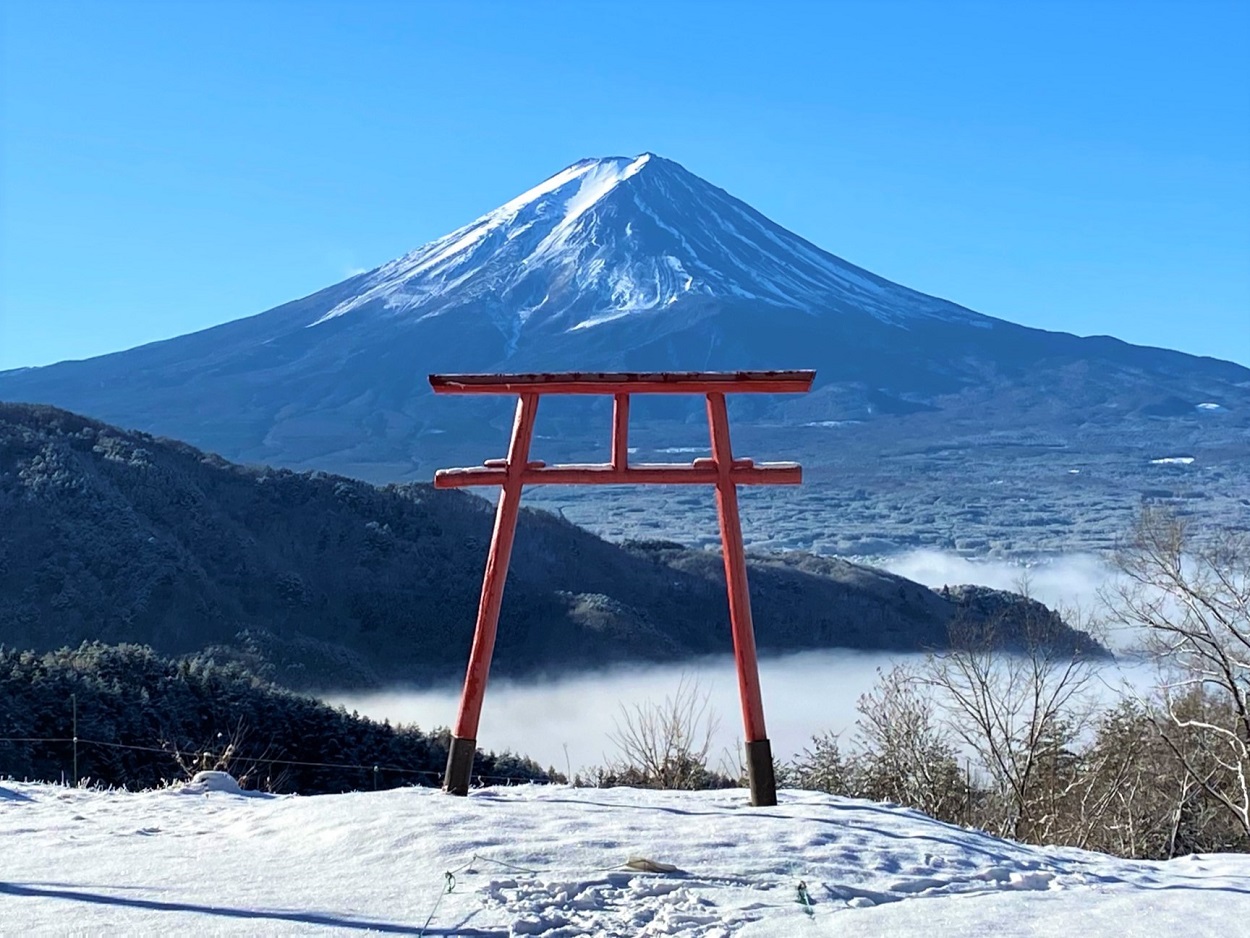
x,y
722,470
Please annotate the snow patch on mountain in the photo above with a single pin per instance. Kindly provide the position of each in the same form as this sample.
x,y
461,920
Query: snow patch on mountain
x,y
604,238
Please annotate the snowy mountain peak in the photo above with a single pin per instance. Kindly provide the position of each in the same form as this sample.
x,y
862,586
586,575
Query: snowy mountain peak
x,y
611,237
595,177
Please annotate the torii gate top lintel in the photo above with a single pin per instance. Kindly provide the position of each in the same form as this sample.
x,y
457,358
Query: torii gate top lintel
x,y
722,470
621,385
626,382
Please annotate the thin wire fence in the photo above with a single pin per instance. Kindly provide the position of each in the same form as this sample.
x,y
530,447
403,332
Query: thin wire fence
x,y
266,760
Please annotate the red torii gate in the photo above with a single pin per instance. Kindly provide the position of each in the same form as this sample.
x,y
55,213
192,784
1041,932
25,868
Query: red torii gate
x,y
517,470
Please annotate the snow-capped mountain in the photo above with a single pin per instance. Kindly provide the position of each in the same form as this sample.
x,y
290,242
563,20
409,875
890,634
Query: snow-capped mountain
x,y
629,263
604,239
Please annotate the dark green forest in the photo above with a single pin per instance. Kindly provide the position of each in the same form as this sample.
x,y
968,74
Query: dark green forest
x,y
144,720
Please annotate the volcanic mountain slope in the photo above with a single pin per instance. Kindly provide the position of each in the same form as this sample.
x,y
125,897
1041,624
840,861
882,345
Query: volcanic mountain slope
x,y
625,264
121,537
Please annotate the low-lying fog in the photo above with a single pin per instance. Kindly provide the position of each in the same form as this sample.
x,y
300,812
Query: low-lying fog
x,y
1072,581
567,722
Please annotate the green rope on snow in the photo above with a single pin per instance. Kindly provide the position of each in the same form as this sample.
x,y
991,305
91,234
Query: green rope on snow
x,y
450,885
449,878
806,899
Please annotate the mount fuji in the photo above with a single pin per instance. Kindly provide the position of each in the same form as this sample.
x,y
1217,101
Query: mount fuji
x,y
608,239
632,264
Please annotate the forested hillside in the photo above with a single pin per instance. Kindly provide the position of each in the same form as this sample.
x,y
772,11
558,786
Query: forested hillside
x,y
142,720
118,536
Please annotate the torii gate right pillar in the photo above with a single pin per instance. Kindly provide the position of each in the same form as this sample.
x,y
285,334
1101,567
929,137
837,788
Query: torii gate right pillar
x,y
763,782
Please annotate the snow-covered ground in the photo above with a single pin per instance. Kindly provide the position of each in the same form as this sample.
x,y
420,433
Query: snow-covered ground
x,y
554,861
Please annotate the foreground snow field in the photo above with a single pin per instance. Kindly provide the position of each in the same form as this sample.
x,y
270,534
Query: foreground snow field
x,y
552,860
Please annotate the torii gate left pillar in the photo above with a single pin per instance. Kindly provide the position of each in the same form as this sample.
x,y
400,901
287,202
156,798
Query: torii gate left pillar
x,y
722,471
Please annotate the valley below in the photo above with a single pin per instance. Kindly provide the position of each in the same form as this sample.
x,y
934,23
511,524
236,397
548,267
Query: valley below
x,y
871,500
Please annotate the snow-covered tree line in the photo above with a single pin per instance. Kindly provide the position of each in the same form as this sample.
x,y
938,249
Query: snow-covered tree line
x,y
143,720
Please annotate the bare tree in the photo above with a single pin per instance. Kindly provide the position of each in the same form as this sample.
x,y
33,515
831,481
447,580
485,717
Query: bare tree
x,y
1019,711
820,767
665,745
1191,596
903,754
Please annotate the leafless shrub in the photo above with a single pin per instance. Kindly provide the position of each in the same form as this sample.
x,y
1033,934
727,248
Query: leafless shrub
x,y
904,754
820,767
1020,714
899,752
1190,595
229,754
665,745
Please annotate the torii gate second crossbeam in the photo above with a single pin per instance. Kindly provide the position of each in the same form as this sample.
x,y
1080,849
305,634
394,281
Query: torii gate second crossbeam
x,y
721,470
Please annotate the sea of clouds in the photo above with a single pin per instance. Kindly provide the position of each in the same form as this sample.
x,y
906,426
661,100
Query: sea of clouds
x,y
567,722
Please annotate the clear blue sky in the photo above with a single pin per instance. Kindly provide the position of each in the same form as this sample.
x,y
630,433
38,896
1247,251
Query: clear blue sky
x,y
1074,166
